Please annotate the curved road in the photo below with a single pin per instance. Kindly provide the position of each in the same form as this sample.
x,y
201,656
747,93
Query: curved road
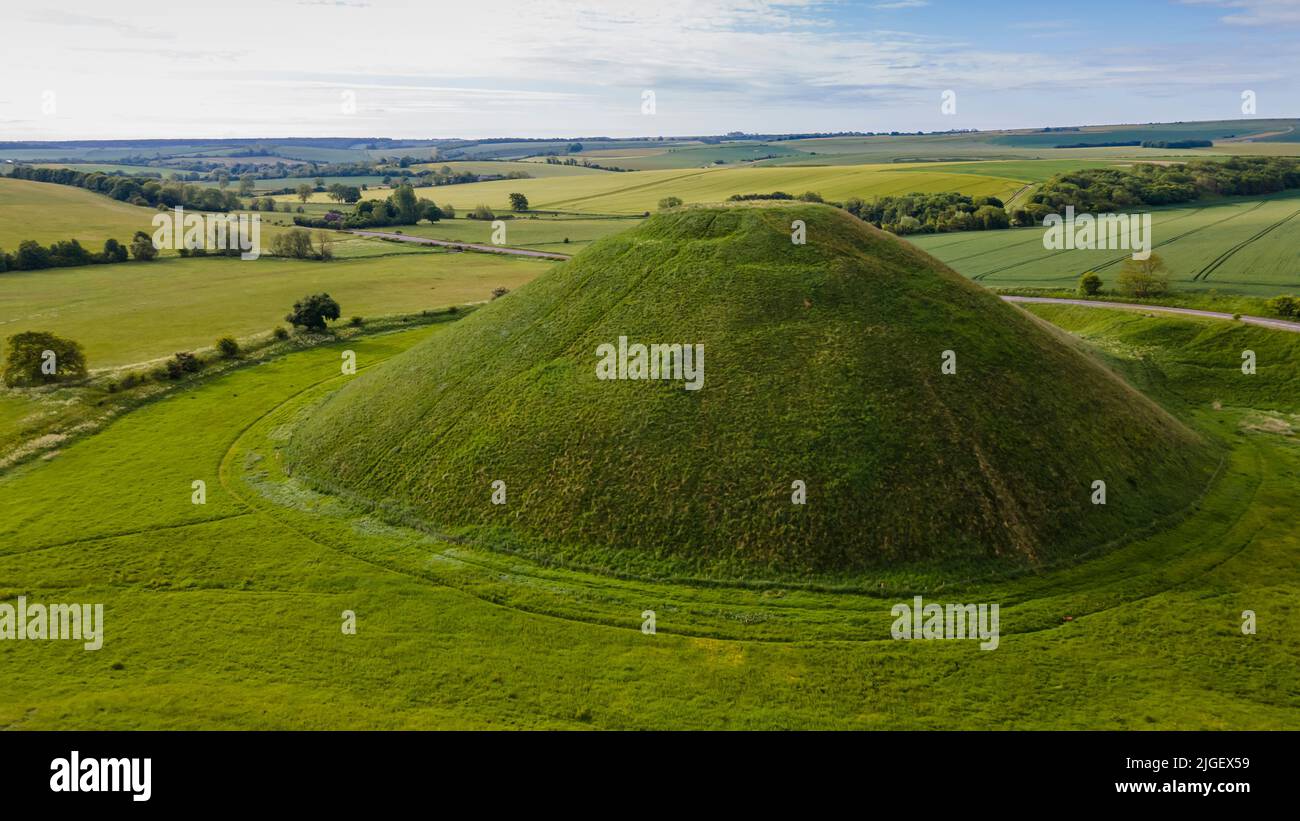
x,y
1276,324
464,246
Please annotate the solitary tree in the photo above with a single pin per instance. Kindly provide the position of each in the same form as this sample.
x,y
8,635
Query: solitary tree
x,y
1144,277
38,358
303,191
311,312
518,202
246,183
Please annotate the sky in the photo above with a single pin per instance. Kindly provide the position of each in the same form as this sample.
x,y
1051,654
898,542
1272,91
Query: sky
x,y
411,69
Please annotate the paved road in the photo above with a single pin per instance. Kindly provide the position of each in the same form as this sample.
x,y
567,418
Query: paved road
x,y
465,246
1278,324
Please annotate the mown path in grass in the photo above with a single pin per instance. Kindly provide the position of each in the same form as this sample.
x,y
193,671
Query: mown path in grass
x,y
228,614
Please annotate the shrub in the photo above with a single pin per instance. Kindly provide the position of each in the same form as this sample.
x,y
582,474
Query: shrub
x,y
356,322
142,246
227,347
482,212
1089,284
311,312
39,358
295,244
280,334
181,363
499,292
1286,306
669,202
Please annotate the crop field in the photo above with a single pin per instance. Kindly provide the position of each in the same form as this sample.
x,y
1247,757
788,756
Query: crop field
x,y
639,191
697,156
1245,246
256,578
136,311
503,167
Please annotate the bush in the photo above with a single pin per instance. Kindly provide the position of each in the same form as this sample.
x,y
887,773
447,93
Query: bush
x,y
181,363
356,322
669,202
280,334
311,312
482,212
1286,306
28,360
142,246
227,347
499,292
295,244
1089,284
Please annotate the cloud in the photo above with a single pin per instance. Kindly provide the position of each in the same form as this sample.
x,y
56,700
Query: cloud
x,y
1255,12
901,4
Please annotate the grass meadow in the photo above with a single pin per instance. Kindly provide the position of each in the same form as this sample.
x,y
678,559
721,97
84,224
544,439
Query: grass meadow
x,y
227,615
133,312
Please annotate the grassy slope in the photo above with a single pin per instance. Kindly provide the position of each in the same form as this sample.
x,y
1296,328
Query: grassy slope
x,y
46,212
905,465
233,622
138,311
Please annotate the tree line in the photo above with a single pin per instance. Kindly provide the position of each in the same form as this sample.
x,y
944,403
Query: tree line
x,y
135,190
32,256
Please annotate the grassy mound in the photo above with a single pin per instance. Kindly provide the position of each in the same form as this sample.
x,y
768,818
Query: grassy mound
x,y
822,364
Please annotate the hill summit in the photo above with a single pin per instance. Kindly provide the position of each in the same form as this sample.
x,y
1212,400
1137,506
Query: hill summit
x,y
828,407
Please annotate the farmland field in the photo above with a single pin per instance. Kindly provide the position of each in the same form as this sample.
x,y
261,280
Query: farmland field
x,y
174,304
640,191
1243,245
540,234
46,213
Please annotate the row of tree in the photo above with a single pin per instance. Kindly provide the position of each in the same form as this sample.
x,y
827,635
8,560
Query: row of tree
x,y
402,207
1108,190
931,213
32,256
135,190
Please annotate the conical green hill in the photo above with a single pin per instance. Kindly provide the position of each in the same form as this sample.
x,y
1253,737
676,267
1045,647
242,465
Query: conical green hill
x,y
822,365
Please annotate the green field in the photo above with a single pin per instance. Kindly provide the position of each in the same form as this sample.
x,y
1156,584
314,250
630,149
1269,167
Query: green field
x,y
228,614
1240,245
46,212
503,167
138,311
543,233
690,156
640,191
